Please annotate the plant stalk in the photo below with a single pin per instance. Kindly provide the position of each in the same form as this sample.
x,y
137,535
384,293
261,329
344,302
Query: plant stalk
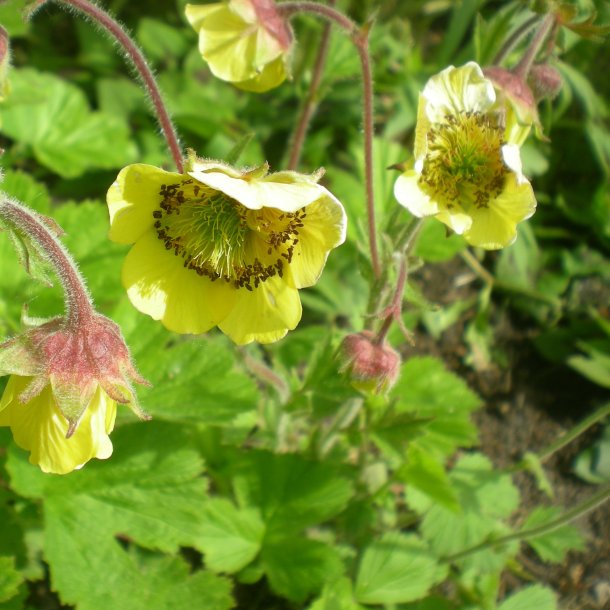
x,y
139,63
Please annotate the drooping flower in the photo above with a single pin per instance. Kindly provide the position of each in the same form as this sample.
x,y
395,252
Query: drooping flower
x,y
245,42
467,171
222,247
61,399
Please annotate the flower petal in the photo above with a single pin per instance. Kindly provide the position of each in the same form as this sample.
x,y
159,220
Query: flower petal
x,y
270,76
265,314
455,90
324,229
495,226
410,195
159,285
285,191
39,427
132,199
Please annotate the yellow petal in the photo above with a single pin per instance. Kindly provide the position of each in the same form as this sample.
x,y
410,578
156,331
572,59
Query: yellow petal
x,y
158,285
268,192
324,229
455,90
39,427
265,315
410,195
132,199
495,226
270,76
197,13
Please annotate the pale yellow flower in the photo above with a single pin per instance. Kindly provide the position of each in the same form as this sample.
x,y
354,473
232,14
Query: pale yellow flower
x,y
467,171
245,42
222,247
39,426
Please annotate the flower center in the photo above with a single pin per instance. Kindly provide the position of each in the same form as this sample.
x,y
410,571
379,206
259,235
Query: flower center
x,y
464,161
220,238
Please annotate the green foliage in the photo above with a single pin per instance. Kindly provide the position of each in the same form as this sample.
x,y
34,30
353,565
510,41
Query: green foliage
x,y
266,479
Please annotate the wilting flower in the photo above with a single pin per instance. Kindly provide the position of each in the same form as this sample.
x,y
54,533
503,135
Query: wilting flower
x,y
218,246
245,42
61,399
371,366
467,171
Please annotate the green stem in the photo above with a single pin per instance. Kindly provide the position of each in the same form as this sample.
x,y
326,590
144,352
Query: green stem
x,y
575,432
597,499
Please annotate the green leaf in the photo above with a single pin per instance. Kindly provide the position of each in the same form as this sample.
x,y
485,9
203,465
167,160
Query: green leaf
x,y
149,494
160,41
593,464
533,464
396,568
297,567
10,579
595,366
336,596
427,475
53,117
554,545
486,497
435,245
195,380
26,189
426,389
231,537
291,492
536,596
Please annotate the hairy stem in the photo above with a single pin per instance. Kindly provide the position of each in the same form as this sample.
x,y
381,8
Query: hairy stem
x,y
78,304
140,65
513,40
597,499
523,67
311,102
360,39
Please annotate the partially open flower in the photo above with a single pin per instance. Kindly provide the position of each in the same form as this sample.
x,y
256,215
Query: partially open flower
x,y
245,42
467,170
219,246
60,401
371,366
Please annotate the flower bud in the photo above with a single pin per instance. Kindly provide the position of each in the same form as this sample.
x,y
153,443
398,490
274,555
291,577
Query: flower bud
x,y
372,367
60,401
545,81
518,103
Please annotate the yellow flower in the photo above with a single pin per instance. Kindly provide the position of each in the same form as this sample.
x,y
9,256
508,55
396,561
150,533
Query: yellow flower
x,y
467,170
39,426
245,42
217,246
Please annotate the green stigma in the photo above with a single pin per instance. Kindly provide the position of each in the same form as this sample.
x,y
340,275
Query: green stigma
x,y
464,161
213,233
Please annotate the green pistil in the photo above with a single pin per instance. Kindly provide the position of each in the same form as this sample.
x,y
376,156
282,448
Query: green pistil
x,y
464,161
209,230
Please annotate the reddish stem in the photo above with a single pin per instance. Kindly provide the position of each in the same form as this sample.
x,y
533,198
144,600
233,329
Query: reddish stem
x,y
311,103
99,16
79,306
361,42
394,311
523,67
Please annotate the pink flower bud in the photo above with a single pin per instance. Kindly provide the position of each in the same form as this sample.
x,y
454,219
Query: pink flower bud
x,y
545,81
372,367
